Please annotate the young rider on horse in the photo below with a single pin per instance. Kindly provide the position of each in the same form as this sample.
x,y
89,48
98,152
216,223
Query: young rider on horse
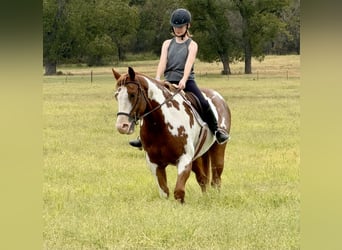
x,y
176,64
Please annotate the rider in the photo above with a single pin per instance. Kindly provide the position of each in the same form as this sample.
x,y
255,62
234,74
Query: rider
x,y
176,64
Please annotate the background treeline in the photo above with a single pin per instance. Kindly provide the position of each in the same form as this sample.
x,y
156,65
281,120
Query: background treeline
x,y
101,32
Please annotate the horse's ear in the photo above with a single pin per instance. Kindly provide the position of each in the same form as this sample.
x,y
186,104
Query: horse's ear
x,y
116,74
131,73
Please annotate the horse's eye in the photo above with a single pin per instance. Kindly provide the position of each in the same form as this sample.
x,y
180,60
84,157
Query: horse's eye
x,y
116,95
131,96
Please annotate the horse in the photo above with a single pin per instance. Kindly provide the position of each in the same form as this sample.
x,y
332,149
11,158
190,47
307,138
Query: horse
x,y
171,130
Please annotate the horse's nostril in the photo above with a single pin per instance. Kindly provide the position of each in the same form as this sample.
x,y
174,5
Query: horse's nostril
x,y
122,127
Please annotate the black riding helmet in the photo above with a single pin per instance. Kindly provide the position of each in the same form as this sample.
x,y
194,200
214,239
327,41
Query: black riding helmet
x,y
180,17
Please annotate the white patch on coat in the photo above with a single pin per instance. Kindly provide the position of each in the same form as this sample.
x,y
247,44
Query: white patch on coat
x,y
184,161
183,119
222,124
179,118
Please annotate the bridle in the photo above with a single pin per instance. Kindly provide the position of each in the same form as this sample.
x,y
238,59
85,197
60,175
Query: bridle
x,y
134,118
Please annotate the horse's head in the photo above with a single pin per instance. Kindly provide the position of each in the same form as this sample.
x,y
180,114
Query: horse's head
x,y
132,100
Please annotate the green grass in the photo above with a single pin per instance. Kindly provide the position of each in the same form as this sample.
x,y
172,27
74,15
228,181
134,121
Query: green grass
x,y
99,194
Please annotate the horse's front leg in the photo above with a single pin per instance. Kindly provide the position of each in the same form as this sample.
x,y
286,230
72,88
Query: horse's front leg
x,y
162,182
160,175
183,175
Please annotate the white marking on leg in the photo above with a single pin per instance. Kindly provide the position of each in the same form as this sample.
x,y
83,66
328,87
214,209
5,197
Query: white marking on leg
x,y
184,161
153,168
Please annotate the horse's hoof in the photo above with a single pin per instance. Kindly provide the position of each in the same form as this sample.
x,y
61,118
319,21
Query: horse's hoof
x,y
181,201
179,196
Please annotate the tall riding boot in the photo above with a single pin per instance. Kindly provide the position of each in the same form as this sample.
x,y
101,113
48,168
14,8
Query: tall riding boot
x,y
136,143
221,135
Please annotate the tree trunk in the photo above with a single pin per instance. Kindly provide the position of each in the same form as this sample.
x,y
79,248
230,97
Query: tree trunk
x,y
121,53
248,57
246,36
226,67
50,68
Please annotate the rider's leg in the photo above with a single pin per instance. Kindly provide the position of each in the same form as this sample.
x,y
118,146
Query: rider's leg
x,y
208,115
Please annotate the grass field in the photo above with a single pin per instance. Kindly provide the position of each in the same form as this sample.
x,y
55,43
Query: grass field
x,y
99,194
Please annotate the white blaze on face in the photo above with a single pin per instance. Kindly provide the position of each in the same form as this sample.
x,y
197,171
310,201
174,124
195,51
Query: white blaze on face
x,y
125,106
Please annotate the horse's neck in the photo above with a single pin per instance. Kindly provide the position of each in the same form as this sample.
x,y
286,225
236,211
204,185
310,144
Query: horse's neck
x,y
155,91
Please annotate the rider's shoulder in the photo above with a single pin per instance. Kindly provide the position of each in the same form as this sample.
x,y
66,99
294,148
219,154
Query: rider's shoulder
x,y
166,43
193,44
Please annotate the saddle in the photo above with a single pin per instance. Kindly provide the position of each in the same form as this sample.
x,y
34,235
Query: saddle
x,y
195,104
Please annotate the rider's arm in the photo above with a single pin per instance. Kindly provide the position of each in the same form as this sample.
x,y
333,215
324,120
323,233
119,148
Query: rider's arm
x,y
163,59
193,47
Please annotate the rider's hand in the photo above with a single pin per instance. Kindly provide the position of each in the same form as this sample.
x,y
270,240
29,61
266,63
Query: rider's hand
x,y
182,84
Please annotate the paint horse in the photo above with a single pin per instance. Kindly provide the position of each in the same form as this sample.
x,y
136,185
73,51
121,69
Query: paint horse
x,y
171,131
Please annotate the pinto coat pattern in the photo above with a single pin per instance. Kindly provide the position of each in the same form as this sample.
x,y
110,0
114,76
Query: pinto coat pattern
x,y
170,132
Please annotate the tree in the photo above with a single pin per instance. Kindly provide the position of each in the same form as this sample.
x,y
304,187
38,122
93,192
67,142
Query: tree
x,y
98,32
291,16
86,31
217,40
261,22
120,21
55,34
154,16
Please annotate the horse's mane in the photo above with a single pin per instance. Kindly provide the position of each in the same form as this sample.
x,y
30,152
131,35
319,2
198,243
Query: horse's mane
x,y
165,84
171,87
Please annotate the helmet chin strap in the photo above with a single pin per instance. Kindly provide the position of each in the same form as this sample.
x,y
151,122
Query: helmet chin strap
x,y
181,36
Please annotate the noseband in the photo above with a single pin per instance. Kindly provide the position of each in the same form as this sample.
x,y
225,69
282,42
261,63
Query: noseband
x,y
136,117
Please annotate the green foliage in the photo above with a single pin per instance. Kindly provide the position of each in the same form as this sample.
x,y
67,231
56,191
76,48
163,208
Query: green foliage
x,y
100,51
217,39
99,194
121,24
289,41
80,31
264,25
261,23
154,26
56,35
211,29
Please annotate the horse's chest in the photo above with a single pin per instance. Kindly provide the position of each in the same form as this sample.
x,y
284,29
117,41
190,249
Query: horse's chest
x,y
164,154
168,136
164,146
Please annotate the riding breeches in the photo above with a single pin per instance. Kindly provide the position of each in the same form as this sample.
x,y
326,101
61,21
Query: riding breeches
x,y
192,87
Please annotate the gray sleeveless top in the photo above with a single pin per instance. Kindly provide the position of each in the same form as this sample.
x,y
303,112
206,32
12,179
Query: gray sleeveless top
x,y
176,58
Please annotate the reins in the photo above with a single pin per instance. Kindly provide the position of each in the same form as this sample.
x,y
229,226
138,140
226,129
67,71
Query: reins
x,y
161,104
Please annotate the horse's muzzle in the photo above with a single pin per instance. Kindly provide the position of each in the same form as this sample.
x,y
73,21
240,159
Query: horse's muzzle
x,y
124,126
